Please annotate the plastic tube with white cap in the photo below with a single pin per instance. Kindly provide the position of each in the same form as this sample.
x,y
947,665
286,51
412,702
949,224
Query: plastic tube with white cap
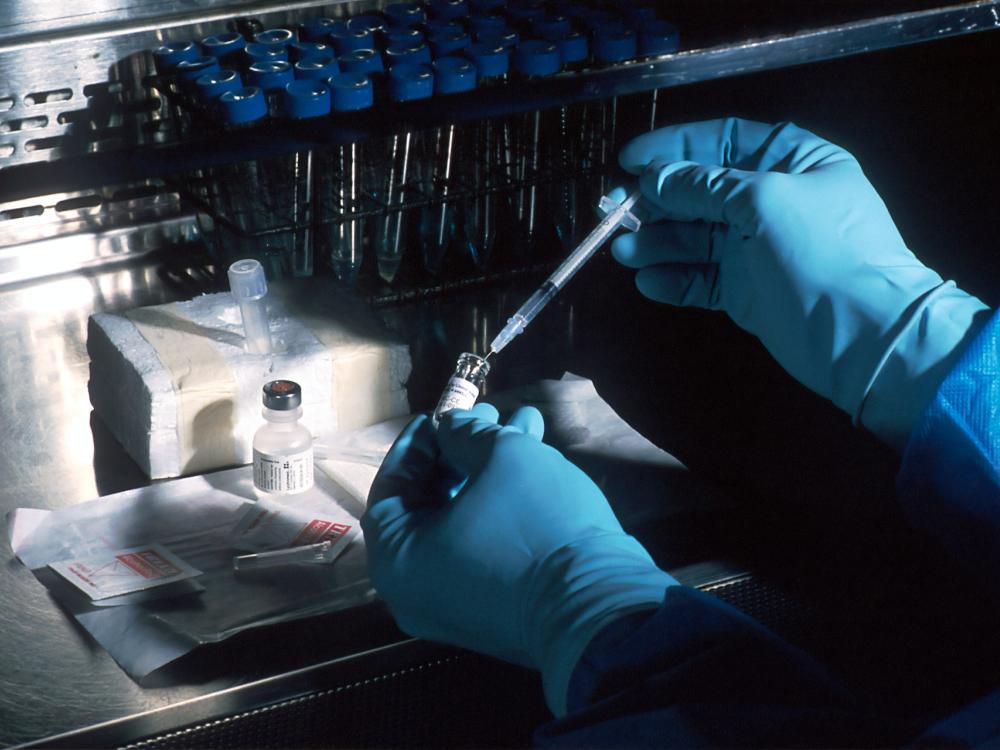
x,y
249,286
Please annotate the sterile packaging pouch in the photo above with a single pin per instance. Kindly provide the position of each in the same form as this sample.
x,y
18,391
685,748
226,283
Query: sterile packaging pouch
x,y
176,387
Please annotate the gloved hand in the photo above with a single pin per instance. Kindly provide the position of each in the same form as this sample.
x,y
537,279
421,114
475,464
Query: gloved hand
x,y
483,537
782,230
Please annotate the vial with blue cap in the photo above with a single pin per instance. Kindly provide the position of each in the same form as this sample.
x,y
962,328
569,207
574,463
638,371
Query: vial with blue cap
x,y
298,51
406,53
402,35
508,38
658,37
169,54
242,192
494,7
479,23
228,47
255,53
375,24
615,45
188,71
317,28
342,187
275,37
316,68
448,43
448,10
271,77
346,40
404,14
210,86
407,82
364,61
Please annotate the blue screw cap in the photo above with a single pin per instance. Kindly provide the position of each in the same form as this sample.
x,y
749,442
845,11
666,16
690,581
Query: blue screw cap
x,y
638,14
361,61
659,38
220,45
537,57
480,22
213,85
304,99
573,48
271,75
190,70
491,60
448,43
316,68
488,6
316,29
350,92
402,35
265,52
508,38
615,45
410,81
275,37
171,53
243,105
447,10
304,50
453,75
404,14
525,16
368,22
347,40
552,27
600,21
396,54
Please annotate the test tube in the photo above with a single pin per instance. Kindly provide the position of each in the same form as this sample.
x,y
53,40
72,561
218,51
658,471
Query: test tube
x,y
452,75
304,99
407,82
533,59
480,211
249,286
349,92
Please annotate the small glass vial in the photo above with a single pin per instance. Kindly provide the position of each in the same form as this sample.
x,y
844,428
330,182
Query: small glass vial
x,y
464,386
282,448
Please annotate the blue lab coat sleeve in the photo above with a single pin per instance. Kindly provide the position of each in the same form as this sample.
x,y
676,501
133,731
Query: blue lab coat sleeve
x,y
697,673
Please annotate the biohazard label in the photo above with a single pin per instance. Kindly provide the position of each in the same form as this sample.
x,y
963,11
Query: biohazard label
x,y
283,475
125,571
458,394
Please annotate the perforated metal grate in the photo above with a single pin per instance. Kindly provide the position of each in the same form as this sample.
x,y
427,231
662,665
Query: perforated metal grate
x,y
461,701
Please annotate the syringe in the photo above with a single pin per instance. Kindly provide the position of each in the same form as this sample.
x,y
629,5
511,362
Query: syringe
x,y
615,215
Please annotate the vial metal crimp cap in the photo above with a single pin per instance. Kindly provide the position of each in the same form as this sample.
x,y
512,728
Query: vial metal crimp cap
x,y
282,395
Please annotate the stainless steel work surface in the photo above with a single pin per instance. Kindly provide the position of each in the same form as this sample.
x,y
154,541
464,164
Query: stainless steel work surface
x,y
53,677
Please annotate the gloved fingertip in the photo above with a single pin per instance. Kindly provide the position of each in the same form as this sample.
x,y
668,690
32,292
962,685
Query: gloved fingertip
x,y
485,411
529,421
623,249
618,194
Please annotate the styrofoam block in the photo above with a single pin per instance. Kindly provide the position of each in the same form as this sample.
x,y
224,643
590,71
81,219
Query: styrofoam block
x,y
349,368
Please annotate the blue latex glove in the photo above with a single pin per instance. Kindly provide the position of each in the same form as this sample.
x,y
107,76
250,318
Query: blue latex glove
x,y
782,230
481,536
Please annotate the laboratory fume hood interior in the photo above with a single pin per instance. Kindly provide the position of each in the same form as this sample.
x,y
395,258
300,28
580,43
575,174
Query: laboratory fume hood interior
x,y
120,188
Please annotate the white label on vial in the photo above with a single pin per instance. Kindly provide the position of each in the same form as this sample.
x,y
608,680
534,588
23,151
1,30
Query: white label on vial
x,y
283,475
458,394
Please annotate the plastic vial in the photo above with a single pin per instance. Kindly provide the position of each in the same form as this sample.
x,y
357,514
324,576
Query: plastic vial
x,y
282,448
464,385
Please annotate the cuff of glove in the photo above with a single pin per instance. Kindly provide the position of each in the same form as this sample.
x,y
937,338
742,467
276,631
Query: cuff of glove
x,y
576,592
940,325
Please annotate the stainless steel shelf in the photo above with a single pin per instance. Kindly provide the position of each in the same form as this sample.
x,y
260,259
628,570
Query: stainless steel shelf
x,y
61,135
